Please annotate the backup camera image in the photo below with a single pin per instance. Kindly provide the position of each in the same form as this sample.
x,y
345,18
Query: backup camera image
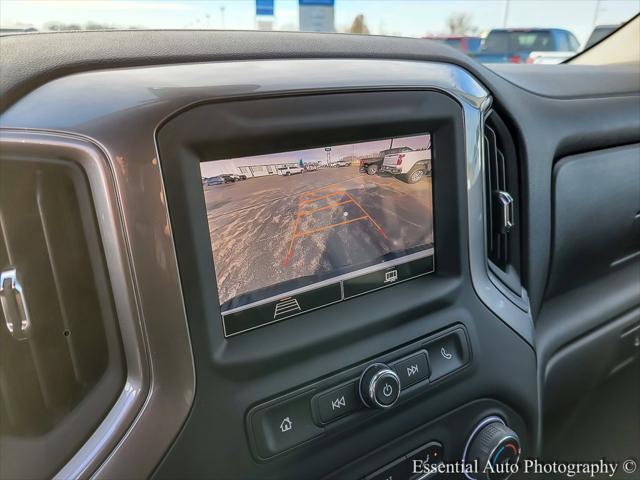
x,y
300,229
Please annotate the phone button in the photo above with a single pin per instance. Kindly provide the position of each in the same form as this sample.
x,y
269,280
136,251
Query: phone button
x,y
447,353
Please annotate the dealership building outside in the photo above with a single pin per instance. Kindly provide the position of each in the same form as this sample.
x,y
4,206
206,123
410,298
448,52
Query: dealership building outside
x,y
236,166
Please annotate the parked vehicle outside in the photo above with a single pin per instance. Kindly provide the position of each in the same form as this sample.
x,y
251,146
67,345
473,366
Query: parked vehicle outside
x,y
409,166
311,167
464,43
515,45
549,58
289,170
600,32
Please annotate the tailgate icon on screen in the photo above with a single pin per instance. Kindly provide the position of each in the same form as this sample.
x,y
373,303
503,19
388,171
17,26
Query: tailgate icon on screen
x,y
286,306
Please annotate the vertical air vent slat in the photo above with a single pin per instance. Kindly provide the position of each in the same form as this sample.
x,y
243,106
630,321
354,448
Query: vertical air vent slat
x,y
488,209
501,183
57,281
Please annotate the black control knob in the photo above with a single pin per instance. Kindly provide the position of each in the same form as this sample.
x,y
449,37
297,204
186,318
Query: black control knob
x,y
495,447
379,386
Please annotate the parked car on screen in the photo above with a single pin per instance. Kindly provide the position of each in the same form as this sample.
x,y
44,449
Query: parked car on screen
x,y
210,181
514,45
228,177
311,167
409,166
238,177
289,170
371,166
464,43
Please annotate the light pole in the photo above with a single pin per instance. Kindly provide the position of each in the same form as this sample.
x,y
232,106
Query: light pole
x,y
595,13
506,14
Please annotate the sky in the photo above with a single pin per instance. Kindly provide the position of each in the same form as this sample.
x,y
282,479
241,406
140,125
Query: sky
x,y
313,155
411,18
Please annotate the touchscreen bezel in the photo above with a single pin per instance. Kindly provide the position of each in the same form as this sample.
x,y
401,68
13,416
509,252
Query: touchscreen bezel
x,y
231,128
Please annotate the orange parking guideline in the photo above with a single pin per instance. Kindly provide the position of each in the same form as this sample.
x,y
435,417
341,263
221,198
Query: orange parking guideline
x,y
293,237
315,199
331,205
326,227
309,197
369,216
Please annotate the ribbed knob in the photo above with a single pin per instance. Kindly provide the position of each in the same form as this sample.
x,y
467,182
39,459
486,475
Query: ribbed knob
x,y
495,446
379,386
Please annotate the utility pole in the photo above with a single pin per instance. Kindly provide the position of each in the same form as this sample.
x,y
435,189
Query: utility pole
x,y
222,16
506,14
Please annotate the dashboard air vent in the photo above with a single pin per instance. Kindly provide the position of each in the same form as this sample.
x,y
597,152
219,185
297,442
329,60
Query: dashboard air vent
x,y
61,363
499,202
501,195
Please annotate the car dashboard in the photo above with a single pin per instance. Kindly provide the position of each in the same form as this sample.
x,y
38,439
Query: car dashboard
x,y
455,348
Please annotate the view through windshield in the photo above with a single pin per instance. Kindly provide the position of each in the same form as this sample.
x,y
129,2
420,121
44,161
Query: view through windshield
x,y
492,31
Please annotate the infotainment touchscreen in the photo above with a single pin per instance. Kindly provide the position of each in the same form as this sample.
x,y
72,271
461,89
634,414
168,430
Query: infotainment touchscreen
x,y
299,230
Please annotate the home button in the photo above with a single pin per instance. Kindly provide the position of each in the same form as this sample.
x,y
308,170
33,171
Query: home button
x,y
282,425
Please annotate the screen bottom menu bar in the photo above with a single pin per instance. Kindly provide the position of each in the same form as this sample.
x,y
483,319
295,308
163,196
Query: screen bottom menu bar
x,y
289,306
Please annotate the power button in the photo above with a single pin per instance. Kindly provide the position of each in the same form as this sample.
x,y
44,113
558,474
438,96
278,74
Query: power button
x,y
387,391
379,386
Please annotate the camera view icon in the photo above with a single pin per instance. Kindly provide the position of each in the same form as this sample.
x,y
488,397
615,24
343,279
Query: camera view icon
x,y
391,276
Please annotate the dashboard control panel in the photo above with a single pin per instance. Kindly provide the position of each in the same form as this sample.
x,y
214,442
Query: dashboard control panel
x,y
290,420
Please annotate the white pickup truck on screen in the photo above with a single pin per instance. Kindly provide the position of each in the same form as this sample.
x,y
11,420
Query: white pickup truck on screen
x,y
410,166
289,170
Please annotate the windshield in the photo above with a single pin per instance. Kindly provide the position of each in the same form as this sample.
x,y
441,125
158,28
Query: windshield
x,y
520,31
